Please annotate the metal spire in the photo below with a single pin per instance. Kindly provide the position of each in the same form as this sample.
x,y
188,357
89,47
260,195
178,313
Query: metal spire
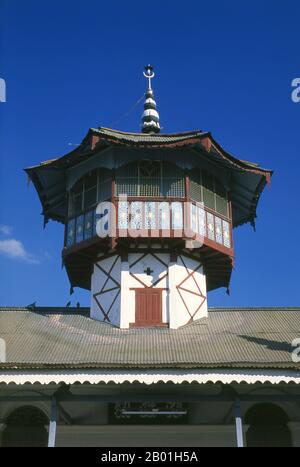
x,y
150,117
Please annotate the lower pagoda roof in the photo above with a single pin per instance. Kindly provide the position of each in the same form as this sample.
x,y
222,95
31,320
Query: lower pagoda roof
x,y
66,338
248,179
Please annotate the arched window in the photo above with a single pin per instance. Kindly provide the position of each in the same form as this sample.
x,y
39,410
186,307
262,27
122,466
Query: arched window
x,y
208,190
94,187
26,427
267,427
148,178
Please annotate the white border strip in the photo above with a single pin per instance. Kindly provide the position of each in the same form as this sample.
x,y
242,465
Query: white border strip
x,y
149,377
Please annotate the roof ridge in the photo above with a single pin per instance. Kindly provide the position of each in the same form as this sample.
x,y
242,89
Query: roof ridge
x,y
129,133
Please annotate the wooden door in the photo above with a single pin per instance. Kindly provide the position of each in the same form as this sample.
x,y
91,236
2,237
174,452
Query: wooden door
x,y
148,307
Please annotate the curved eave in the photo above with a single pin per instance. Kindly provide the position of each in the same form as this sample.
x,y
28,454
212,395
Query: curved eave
x,y
244,165
53,207
239,167
201,142
96,137
253,211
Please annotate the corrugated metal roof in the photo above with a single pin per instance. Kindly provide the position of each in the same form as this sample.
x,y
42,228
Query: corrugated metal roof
x,y
68,338
148,138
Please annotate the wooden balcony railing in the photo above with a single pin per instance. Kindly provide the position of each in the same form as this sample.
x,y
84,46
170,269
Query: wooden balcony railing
x,y
152,218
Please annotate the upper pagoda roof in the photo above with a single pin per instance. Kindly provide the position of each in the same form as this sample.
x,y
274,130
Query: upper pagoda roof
x,y
249,179
146,138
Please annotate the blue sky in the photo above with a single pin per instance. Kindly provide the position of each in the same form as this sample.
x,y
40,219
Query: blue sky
x,y
222,66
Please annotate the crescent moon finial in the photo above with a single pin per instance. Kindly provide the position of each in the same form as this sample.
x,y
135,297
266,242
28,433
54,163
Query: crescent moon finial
x,y
149,74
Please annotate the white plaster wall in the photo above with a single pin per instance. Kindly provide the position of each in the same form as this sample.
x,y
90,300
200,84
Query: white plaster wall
x,y
149,436
189,296
184,297
127,309
101,282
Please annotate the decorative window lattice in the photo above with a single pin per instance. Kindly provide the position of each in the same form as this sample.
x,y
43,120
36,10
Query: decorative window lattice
x,y
150,179
90,197
95,220
153,215
91,189
127,180
210,226
226,234
173,188
202,221
209,190
173,181
104,185
196,185
136,215
88,225
150,215
219,230
149,186
79,228
123,215
221,199
198,220
177,216
127,186
76,200
71,233
164,216
194,218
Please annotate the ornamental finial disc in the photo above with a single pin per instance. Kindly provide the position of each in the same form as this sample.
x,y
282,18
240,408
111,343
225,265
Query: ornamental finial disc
x,y
149,74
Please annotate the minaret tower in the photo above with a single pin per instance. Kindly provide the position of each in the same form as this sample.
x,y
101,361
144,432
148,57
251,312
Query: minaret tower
x,y
149,218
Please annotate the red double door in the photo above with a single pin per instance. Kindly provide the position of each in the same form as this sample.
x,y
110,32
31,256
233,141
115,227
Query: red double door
x,y
148,307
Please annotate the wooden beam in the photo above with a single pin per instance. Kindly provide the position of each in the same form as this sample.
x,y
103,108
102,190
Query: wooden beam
x,y
52,424
126,397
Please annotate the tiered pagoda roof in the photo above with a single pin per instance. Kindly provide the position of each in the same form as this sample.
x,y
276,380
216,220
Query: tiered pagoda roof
x,y
49,176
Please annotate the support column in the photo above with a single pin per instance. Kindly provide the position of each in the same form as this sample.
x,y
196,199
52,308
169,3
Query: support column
x,y
294,428
2,429
53,423
239,425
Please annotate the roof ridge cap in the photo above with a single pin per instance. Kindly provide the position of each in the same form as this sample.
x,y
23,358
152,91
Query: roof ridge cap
x,y
128,133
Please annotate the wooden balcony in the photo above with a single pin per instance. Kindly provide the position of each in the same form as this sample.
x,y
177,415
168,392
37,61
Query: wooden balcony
x,y
138,218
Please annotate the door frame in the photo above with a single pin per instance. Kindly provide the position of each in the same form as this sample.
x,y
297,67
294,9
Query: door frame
x,y
145,324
